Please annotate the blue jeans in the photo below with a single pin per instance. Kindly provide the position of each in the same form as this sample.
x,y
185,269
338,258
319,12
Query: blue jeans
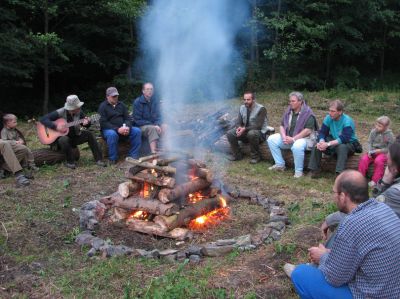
x,y
310,283
275,145
112,137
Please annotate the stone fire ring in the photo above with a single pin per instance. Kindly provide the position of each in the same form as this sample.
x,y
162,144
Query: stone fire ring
x,y
93,211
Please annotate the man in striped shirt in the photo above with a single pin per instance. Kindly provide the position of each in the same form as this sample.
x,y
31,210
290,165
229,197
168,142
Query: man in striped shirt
x,y
364,259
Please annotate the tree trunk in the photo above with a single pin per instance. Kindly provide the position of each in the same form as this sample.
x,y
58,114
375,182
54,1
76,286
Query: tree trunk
x,y
276,41
46,60
189,213
382,54
137,203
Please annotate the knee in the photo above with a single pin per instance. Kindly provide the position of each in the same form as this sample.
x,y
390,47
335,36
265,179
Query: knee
x,y
111,136
299,273
231,135
136,132
274,139
299,146
342,149
63,141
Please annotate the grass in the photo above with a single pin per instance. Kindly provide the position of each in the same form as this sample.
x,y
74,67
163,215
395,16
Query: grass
x,y
38,224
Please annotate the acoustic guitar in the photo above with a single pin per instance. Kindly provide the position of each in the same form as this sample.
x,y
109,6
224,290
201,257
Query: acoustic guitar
x,y
48,136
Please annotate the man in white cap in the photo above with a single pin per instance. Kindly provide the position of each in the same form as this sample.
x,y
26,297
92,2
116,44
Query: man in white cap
x,y
71,112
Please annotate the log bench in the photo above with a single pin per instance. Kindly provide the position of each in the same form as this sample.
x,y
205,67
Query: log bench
x,y
328,163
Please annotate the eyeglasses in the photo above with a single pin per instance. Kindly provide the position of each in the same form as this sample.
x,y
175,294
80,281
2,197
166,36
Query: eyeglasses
x,y
333,111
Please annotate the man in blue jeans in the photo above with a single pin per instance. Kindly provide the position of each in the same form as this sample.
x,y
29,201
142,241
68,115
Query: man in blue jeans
x,y
363,261
116,124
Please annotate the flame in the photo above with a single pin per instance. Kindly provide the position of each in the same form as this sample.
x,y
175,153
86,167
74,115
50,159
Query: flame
x,y
146,190
195,197
139,214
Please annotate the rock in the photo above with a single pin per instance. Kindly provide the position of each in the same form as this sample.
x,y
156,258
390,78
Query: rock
x,y
194,259
91,252
97,243
181,255
141,252
170,258
196,250
153,254
225,242
275,235
247,247
260,236
214,250
279,225
118,250
84,238
243,240
168,252
92,224
263,202
277,218
276,210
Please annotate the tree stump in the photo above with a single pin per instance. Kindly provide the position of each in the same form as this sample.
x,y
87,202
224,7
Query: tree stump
x,y
49,157
327,163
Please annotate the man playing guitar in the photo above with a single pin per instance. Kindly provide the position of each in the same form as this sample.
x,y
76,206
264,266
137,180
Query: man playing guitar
x,y
58,121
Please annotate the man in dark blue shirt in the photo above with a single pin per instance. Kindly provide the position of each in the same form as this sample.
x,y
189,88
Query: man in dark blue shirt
x,y
115,124
147,115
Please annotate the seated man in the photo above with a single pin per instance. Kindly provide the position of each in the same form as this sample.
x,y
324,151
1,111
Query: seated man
x,y
71,112
298,122
147,116
251,126
115,124
363,261
337,136
12,164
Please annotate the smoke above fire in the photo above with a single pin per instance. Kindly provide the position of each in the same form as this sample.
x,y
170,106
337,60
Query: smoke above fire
x,y
188,50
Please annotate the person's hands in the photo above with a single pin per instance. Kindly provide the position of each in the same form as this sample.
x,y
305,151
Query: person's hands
x,y
19,141
158,129
324,230
315,253
322,146
288,140
86,121
240,131
123,130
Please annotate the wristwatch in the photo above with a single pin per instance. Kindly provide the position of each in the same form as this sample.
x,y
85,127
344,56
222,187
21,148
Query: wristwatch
x,y
329,143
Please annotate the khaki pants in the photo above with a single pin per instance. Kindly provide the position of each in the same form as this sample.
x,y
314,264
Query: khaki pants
x,y
10,156
150,132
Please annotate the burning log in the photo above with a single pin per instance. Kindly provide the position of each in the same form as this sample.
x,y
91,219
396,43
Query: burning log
x,y
136,203
163,181
186,215
144,165
127,188
154,229
167,195
196,163
204,173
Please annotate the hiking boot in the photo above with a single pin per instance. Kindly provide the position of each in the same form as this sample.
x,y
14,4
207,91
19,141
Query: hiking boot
x,y
288,269
277,167
70,165
235,157
298,175
101,163
314,174
22,180
28,174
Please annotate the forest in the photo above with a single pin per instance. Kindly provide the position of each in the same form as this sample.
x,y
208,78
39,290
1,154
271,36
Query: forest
x,y
53,48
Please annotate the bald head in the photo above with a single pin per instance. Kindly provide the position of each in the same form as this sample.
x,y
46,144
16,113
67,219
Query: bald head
x,y
354,184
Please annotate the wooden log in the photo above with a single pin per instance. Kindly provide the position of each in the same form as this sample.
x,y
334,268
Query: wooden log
x,y
327,163
147,165
147,158
136,203
49,157
152,228
187,214
127,188
197,184
163,181
204,173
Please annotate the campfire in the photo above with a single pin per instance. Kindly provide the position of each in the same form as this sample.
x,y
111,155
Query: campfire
x,y
168,196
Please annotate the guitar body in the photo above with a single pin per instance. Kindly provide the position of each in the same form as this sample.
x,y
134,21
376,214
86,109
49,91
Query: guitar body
x,y
47,135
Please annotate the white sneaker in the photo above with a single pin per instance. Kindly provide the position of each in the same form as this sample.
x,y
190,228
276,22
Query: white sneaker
x,y
298,175
277,167
288,269
371,184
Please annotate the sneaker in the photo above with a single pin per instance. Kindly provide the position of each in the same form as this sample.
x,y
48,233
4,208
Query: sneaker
x,y
371,184
70,165
288,269
235,157
298,175
22,180
277,167
101,163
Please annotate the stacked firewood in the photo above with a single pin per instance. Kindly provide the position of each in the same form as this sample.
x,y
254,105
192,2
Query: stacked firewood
x,y
156,197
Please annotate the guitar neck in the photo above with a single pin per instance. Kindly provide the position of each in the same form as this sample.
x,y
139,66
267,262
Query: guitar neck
x,y
74,123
